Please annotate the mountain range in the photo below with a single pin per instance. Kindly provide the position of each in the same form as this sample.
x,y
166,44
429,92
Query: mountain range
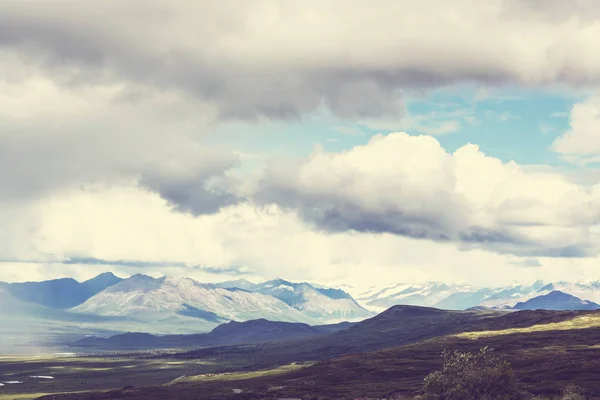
x,y
231,333
172,304
575,296
176,305
61,293
144,297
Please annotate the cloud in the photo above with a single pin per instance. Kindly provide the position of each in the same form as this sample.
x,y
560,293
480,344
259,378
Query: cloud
x,y
500,116
259,59
348,130
105,94
130,225
528,263
153,265
119,263
580,143
107,116
432,123
545,127
410,186
230,271
53,138
442,128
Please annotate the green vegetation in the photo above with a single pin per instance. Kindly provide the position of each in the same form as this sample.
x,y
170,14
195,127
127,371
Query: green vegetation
x,y
481,376
472,376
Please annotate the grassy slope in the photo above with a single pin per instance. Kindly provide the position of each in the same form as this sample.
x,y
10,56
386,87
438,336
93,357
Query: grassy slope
x,y
544,361
547,349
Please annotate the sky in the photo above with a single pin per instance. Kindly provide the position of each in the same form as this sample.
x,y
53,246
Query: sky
x,y
330,141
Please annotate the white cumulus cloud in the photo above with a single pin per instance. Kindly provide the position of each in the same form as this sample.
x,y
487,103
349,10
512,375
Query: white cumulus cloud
x,y
410,186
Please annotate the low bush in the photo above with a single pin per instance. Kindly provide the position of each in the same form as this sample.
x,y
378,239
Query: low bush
x,y
480,376
473,376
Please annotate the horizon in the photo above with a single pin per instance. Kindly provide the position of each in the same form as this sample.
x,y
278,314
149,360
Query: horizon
x,y
352,290
213,150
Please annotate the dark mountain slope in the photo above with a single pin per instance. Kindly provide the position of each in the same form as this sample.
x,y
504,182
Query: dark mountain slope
x,y
231,333
399,325
101,282
57,293
61,293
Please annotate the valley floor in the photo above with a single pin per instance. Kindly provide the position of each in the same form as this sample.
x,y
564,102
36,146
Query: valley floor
x,y
94,373
548,351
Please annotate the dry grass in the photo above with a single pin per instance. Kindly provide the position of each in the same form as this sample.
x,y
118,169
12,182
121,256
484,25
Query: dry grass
x,y
26,396
239,376
580,322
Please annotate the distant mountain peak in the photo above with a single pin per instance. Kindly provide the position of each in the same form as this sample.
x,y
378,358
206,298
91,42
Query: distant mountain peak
x,y
101,282
105,274
278,282
141,276
557,300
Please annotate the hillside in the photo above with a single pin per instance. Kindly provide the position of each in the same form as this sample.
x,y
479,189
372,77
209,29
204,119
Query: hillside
x,y
231,333
548,350
397,326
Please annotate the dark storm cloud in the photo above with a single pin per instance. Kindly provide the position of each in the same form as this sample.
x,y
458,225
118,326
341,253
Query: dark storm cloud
x,y
83,52
357,64
193,197
344,217
174,64
120,263
141,264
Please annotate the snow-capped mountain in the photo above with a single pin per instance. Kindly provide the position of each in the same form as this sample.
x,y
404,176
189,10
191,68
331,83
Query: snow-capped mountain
x,y
238,283
511,295
426,294
461,297
144,297
320,303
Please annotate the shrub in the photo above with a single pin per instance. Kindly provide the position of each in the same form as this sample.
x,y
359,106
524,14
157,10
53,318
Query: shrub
x,y
466,376
572,392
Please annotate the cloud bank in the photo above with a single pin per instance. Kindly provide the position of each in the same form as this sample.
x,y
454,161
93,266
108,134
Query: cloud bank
x,y
410,186
108,118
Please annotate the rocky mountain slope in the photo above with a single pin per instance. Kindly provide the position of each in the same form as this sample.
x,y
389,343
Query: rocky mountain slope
x,y
185,300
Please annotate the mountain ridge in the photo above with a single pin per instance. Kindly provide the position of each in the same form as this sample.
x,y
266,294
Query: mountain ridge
x,y
463,296
154,299
61,293
230,333
557,300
